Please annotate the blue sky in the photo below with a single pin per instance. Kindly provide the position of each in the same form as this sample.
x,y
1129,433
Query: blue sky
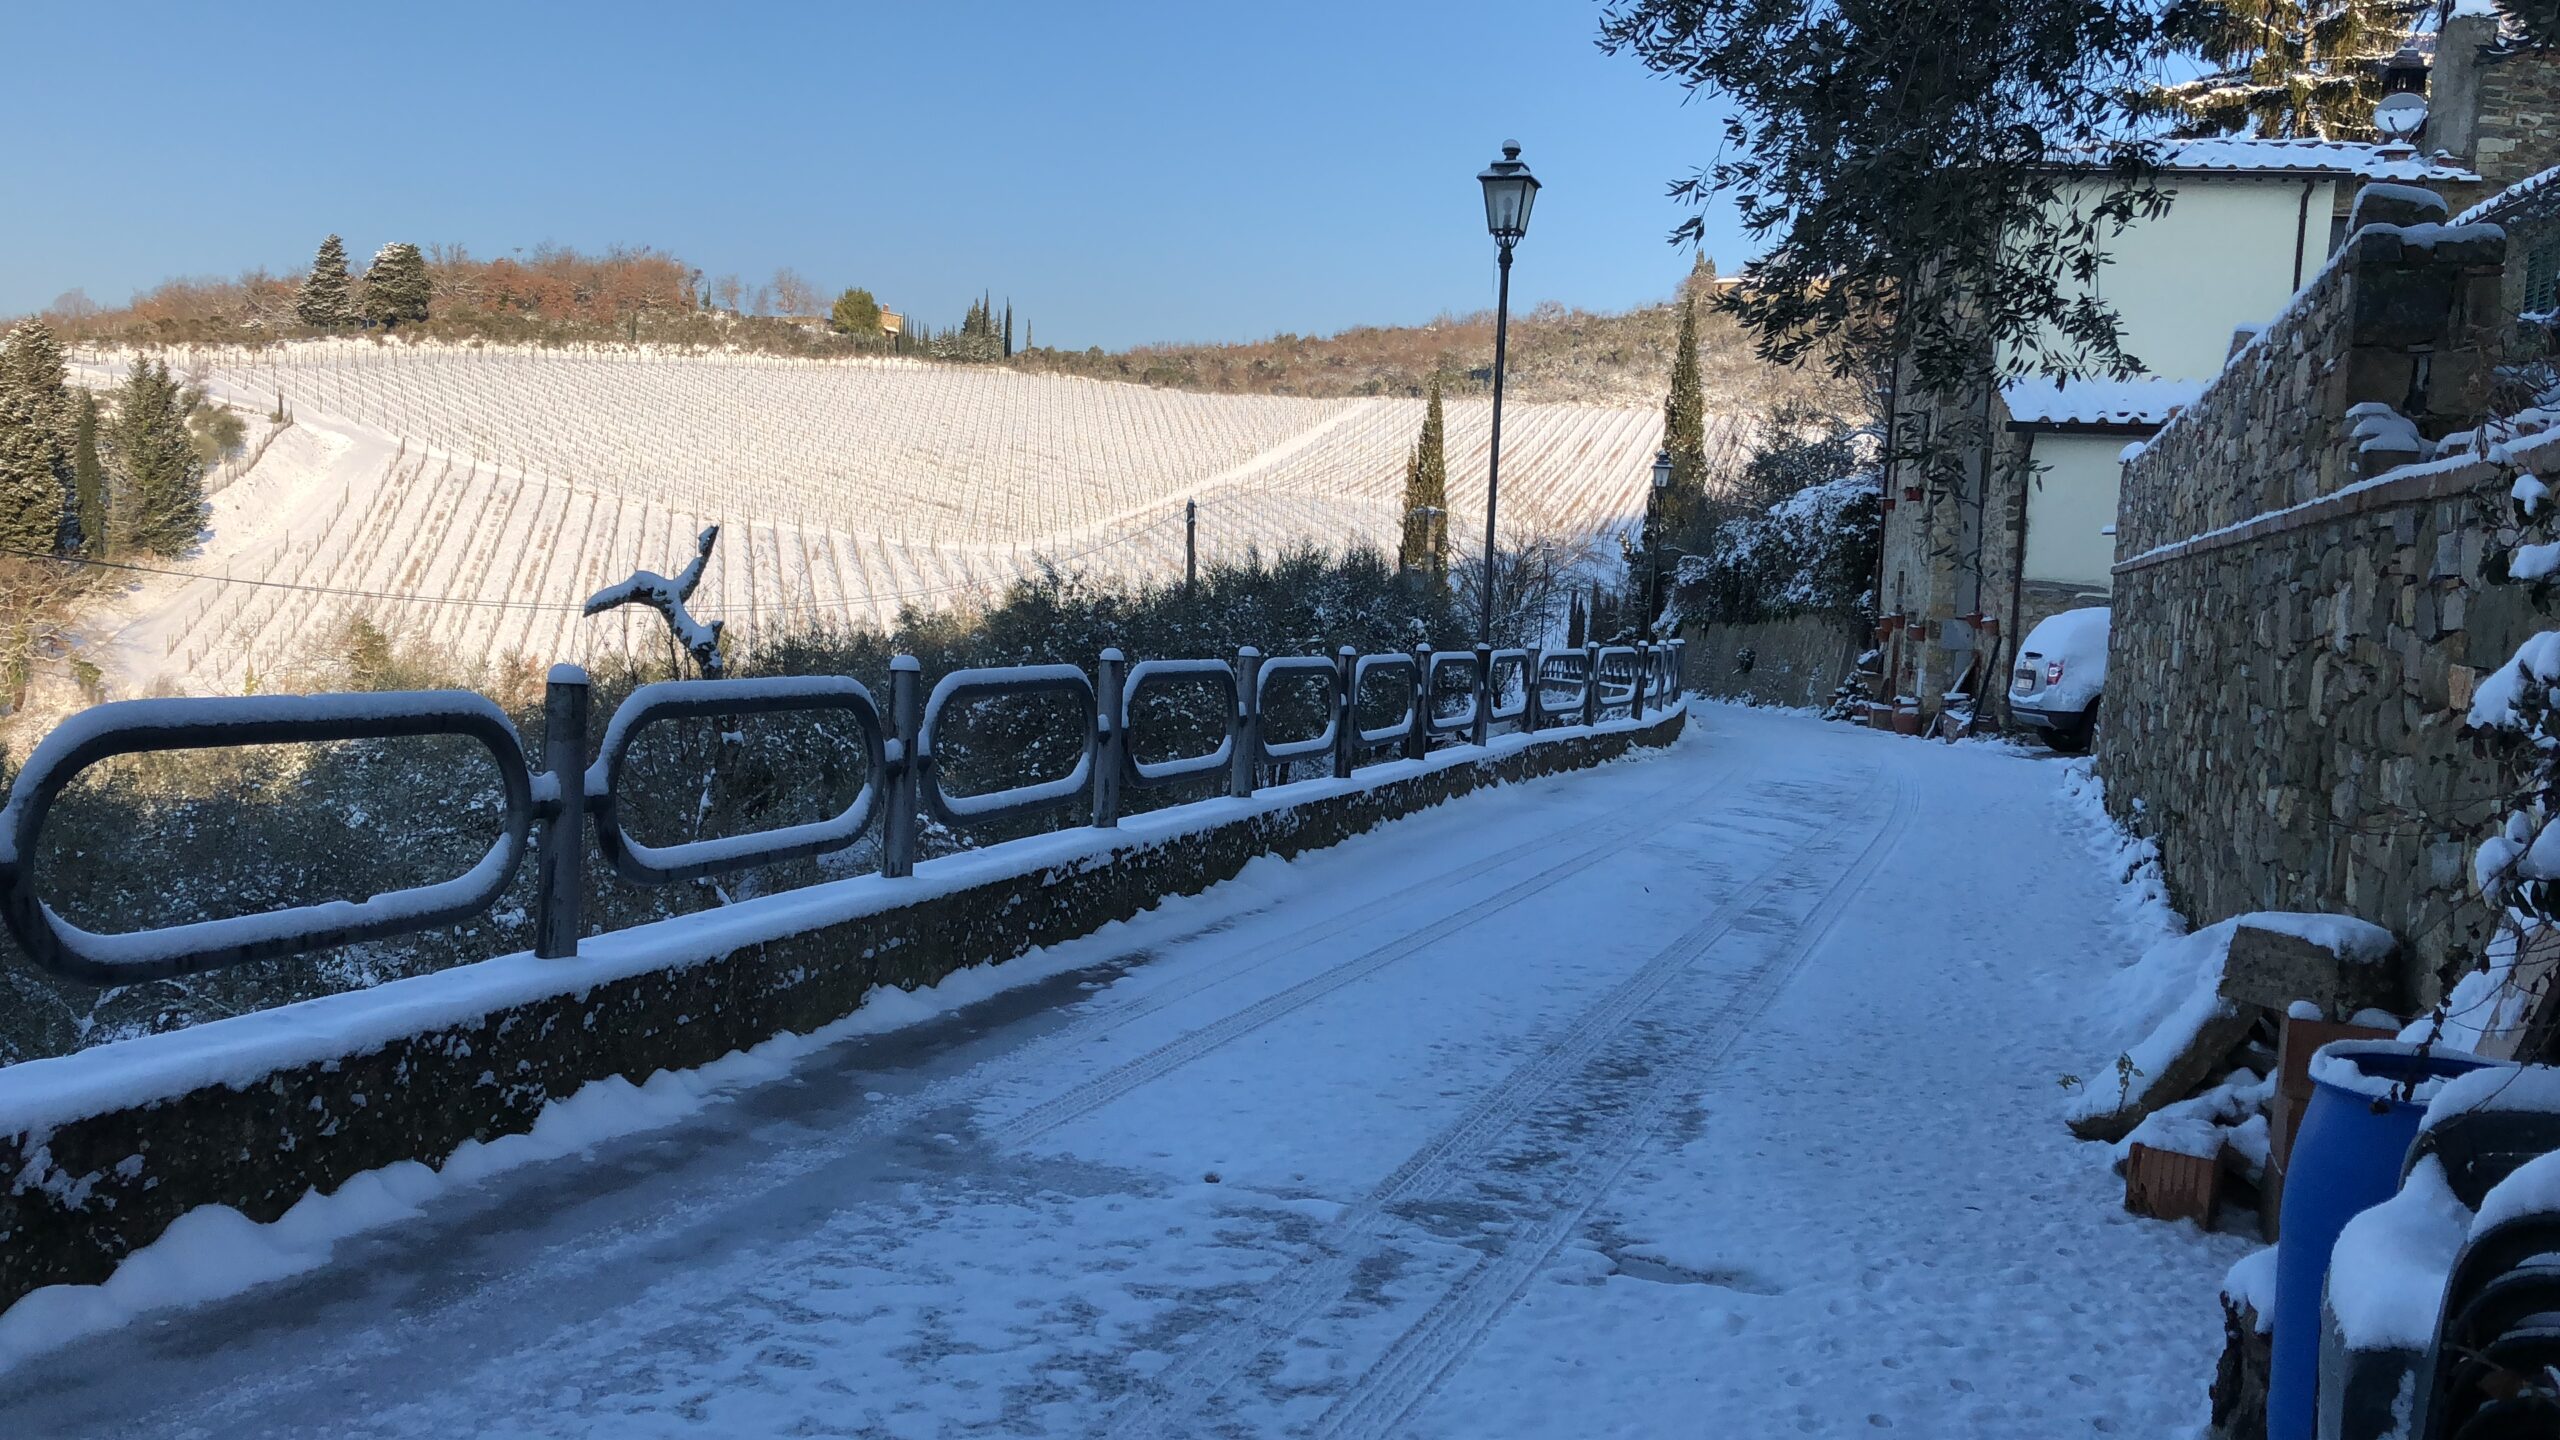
x,y
1126,172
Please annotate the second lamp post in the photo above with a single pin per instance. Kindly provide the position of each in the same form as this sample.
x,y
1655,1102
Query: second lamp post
x,y
1509,191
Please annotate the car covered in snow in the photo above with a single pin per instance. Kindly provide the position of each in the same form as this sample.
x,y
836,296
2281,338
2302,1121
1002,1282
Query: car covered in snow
x,y
2062,668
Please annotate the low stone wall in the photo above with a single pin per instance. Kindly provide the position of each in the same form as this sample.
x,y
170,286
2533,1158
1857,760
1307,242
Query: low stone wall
x,y
1798,661
108,1147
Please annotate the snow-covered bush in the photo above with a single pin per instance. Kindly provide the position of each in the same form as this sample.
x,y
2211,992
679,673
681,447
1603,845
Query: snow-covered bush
x,y
2515,718
1813,551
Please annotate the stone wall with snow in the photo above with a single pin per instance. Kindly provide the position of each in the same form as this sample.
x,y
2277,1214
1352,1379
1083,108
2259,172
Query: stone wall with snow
x,y
2309,623
1800,660
2405,315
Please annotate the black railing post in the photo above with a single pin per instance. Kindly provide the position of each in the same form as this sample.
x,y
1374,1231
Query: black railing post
x,y
906,717
1111,740
1484,692
1417,741
560,905
1248,723
1532,706
1346,713
1644,680
1590,684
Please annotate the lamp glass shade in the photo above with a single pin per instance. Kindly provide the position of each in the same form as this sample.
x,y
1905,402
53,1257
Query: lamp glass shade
x,y
1662,470
1509,193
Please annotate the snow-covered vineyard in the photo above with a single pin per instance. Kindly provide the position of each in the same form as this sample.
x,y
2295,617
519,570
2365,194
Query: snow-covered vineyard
x,y
474,497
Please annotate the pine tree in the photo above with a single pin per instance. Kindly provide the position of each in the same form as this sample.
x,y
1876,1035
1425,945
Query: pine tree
x,y
2282,68
88,479
1684,427
1426,495
326,302
35,438
396,288
156,490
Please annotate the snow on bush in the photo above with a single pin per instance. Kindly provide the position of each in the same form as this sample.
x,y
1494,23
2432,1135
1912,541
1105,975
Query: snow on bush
x,y
2515,716
1811,551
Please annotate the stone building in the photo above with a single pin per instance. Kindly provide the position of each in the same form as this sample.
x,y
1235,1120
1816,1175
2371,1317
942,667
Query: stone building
x,y
2020,524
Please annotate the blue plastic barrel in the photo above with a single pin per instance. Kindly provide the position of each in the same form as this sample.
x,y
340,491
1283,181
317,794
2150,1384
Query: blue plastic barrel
x,y
2346,1160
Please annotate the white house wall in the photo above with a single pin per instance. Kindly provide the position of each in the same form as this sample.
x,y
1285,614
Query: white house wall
x,y
2071,503
2223,255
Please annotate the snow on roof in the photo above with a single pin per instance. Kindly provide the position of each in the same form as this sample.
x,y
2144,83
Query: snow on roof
x,y
2246,155
2147,401
2371,162
2539,187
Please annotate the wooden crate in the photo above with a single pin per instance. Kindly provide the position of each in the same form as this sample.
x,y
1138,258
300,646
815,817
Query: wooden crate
x,y
2303,1038
2165,1185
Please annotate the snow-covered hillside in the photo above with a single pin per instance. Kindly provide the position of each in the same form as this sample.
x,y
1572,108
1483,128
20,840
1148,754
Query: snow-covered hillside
x,y
475,497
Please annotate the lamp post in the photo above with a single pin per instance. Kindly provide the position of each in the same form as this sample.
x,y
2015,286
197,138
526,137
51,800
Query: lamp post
x,y
1509,191
1653,539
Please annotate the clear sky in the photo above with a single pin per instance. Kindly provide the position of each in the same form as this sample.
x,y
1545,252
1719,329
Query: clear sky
x,y
1124,172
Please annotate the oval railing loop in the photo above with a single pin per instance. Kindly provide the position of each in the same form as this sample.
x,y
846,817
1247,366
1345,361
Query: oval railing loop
x,y
1151,773
997,683
134,727
699,699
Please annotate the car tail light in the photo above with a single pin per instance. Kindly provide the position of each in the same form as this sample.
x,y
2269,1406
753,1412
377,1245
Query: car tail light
x,y
2053,673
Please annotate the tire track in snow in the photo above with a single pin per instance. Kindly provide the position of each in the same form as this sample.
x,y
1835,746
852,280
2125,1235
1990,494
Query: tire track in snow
x,y
1413,1368
1170,1402
1092,1095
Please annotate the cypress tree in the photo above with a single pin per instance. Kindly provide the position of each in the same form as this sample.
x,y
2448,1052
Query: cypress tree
x,y
156,497
88,479
1008,329
1684,426
1426,494
396,288
326,302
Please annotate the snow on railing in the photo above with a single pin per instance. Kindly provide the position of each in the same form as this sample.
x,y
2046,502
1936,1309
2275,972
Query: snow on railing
x,y
901,783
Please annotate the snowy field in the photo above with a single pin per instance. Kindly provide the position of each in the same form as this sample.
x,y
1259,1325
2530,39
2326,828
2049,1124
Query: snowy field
x,y
1710,1093
503,486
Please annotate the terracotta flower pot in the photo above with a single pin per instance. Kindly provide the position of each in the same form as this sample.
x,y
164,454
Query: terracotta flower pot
x,y
1906,721
1879,715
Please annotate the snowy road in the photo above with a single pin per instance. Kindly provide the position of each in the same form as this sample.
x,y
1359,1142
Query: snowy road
x,y
1711,1093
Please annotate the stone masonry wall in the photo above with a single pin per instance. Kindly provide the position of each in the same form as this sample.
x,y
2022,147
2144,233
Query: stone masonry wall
x,y
1797,661
2518,130
2294,743
2299,618
2408,318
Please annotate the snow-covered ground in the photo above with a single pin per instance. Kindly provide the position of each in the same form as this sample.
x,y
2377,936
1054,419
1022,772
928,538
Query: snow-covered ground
x,y
475,497
1710,1093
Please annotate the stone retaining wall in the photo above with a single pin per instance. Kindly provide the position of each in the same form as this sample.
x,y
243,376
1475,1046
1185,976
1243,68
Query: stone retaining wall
x,y
92,1185
2299,617
2296,743
1798,661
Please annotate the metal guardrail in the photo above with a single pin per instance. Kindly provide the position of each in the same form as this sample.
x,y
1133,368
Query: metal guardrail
x,y
902,783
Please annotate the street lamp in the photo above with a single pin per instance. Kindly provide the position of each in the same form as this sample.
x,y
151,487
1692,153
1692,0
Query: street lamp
x,y
1509,191
1653,538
